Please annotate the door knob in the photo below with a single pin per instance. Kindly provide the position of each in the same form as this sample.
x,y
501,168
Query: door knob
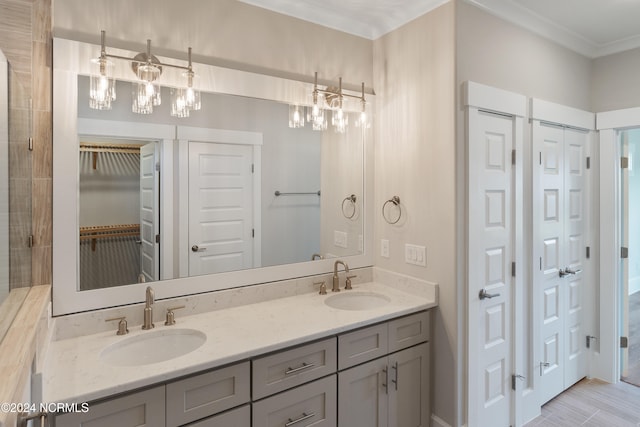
x,y
483,294
568,272
196,248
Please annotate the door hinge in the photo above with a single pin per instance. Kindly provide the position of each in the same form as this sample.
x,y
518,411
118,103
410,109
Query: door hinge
x,y
589,339
624,162
157,238
588,162
515,377
30,241
158,167
540,159
253,168
540,263
253,232
624,342
588,252
513,157
30,143
624,252
513,269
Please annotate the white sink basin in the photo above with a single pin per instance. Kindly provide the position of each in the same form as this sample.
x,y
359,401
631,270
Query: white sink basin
x,y
349,300
153,347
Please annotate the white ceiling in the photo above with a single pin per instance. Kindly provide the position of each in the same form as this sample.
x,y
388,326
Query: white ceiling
x,y
590,27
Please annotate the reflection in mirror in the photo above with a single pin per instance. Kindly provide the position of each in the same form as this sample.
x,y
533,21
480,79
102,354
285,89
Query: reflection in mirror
x,y
15,195
262,194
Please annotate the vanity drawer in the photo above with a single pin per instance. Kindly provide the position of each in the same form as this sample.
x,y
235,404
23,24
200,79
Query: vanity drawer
x,y
408,331
363,345
290,368
203,395
239,417
313,404
140,409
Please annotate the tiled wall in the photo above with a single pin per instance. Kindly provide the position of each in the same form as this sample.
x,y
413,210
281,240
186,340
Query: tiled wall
x,y
25,39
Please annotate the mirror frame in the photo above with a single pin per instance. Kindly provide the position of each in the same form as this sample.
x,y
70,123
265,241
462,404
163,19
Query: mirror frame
x,y
71,59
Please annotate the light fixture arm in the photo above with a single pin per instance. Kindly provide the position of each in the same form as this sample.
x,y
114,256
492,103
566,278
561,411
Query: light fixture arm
x,y
149,59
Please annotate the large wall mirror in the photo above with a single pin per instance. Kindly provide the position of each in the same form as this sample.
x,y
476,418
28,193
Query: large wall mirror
x,y
15,194
227,197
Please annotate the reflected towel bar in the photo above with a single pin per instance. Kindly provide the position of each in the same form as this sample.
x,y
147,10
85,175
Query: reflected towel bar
x,y
279,193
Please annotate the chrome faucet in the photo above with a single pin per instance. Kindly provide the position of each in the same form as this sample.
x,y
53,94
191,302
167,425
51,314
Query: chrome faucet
x,y
336,280
148,309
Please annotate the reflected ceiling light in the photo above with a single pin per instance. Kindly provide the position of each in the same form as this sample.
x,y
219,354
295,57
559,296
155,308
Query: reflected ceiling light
x,y
330,98
145,91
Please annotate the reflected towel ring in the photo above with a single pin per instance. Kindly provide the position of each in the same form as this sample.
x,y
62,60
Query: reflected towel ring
x,y
352,200
396,202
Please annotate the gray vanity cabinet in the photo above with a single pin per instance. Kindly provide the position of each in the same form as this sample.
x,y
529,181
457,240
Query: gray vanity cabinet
x,y
140,409
377,376
388,391
200,396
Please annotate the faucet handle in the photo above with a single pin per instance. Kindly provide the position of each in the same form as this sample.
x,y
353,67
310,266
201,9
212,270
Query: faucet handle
x,y
122,325
171,319
323,287
347,283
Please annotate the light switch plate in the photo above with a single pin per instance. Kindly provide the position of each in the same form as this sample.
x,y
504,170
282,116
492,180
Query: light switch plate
x,y
340,239
384,248
415,254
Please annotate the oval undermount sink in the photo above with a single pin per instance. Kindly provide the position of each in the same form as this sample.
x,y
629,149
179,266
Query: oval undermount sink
x,y
153,347
356,300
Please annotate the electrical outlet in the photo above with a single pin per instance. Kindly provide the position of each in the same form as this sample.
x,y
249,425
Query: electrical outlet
x,y
416,255
340,239
384,248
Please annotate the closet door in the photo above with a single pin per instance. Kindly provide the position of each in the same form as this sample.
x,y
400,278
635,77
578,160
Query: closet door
x,y
560,228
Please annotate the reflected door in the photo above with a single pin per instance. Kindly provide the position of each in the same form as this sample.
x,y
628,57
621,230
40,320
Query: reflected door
x,y
559,251
149,212
220,207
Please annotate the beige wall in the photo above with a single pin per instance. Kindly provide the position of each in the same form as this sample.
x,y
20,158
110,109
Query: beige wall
x,y
616,81
494,52
414,75
221,32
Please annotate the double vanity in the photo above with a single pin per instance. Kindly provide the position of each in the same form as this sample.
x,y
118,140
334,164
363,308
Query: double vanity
x,y
266,355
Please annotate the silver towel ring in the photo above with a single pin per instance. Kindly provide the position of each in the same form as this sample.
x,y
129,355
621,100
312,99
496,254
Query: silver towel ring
x,y
396,202
352,201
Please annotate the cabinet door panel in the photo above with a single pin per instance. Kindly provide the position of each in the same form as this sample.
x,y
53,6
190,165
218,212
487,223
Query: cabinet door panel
x,y
408,331
409,387
141,409
363,398
239,417
290,368
363,345
313,404
206,394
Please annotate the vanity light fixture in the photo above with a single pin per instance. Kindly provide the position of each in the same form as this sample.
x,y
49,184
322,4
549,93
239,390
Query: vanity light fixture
x,y
145,91
333,98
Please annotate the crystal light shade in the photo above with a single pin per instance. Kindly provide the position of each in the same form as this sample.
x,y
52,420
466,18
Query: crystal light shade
x,y
339,120
101,84
179,103
296,116
317,118
143,95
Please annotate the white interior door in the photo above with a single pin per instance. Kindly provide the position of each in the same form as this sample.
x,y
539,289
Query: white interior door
x,y
559,188
149,212
491,181
220,207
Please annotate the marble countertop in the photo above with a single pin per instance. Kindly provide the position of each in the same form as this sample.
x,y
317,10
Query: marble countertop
x,y
74,371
